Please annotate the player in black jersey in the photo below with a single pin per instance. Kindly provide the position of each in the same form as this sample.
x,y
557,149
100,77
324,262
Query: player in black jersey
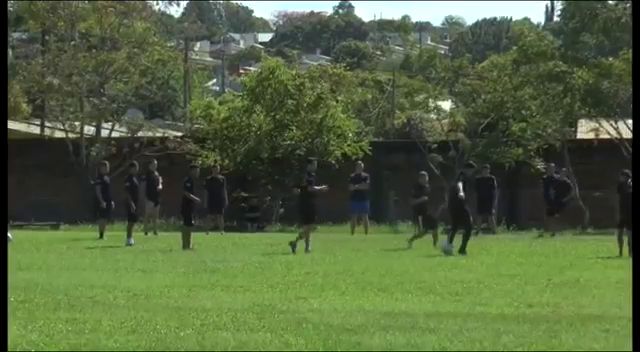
x,y
132,192
459,211
423,221
486,199
625,214
153,188
307,205
216,198
103,194
189,201
548,185
560,197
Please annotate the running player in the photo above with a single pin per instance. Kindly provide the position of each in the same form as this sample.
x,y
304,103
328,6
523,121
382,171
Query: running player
x,y
421,217
307,206
131,199
459,211
625,215
562,192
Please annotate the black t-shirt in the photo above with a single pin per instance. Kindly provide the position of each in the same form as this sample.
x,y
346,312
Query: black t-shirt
x,y
307,197
216,188
625,195
454,200
419,191
486,187
548,187
188,186
562,189
132,188
104,183
251,210
152,181
359,195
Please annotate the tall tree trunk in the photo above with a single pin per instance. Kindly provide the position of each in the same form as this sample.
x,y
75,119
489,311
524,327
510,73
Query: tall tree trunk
x,y
586,215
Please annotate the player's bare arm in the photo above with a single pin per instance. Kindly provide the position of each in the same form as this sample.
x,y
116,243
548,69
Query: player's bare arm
x,y
460,190
419,200
192,197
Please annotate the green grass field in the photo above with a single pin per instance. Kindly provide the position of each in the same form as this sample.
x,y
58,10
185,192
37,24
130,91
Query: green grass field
x,y
69,291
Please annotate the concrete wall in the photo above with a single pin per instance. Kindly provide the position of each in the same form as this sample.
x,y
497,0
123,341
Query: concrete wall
x,y
43,185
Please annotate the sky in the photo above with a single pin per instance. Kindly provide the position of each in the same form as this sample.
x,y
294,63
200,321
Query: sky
x,y
433,11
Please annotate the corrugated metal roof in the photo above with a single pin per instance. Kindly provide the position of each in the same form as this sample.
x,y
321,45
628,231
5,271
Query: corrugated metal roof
x,y
604,129
56,130
265,37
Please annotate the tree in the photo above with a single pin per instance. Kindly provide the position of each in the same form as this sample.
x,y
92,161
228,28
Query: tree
x,y
344,7
590,30
310,31
607,97
454,22
427,64
354,55
485,37
282,117
247,56
240,19
209,15
101,60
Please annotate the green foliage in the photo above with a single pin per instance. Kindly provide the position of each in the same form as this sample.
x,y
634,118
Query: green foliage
x,y
282,117
308,31
354,55
99,59
240,18
485,37
517,103
454,22
250,55
590,30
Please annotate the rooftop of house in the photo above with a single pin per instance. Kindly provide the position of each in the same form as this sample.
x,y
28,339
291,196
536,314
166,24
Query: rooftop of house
x,y
31,129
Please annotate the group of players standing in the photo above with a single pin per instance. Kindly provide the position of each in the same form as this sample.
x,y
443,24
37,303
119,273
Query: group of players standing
x,y
557,192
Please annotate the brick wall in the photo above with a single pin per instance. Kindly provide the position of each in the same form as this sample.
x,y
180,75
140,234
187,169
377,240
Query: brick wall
x,y
43,185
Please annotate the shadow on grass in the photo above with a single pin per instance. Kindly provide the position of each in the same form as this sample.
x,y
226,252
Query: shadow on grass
x,y
83,239
104,247
393,250
610,257
277,254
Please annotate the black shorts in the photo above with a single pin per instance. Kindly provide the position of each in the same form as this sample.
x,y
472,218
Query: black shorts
x,y
187,216
106,212
485,207
308,215
132,214
625,222
252,219
425,220
555,208
460,217
155,200
215,207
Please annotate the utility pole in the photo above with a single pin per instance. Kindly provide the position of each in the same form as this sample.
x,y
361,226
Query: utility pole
x,y
185,79
393,97
43,95
223,76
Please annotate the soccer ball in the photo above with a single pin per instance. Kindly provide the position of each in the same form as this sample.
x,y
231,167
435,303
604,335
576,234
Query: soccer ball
x,y
447,249
9,236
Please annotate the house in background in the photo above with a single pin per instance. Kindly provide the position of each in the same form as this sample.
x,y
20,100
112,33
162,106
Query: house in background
x,y
307,61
